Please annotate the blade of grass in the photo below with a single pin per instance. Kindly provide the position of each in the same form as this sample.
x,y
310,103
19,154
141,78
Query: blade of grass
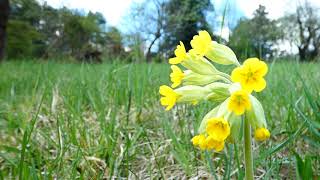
x,y
211,165
26,137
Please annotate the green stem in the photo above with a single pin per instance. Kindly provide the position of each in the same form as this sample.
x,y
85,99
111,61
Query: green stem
x,y
248,150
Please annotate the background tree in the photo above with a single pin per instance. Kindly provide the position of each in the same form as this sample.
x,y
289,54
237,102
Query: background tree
x,y
4,15
183,19
256,36
114,46
147,19
21,36
302,29
135,44
27,11
49,32
240,42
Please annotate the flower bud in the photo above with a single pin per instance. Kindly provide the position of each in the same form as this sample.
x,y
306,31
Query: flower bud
x,y
261,134
221,54
234,87
199,65
235,125
191,93
192,78
256,115
219,91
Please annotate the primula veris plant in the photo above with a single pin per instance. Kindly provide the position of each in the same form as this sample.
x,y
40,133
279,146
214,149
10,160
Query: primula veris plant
x,y
194,79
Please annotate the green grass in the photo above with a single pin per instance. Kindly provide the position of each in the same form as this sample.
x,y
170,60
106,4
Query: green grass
x,y
71,121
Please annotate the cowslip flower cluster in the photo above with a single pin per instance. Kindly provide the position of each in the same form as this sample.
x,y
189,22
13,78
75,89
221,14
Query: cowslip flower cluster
x,y
195,78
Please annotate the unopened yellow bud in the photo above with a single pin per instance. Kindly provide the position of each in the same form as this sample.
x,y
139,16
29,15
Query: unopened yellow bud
x,y
261,134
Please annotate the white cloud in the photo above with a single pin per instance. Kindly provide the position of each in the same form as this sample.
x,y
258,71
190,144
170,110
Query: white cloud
x,y
276,8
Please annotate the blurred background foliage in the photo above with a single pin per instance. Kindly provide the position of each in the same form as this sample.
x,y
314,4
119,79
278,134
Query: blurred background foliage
x,y
154,28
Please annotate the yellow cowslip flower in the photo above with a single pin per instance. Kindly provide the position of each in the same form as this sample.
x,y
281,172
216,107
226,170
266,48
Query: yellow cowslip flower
x,y
239,102
261,134
250,75
218,128
199,140
181,54
185,94
170,97
219,53
176,76
201,43
212,143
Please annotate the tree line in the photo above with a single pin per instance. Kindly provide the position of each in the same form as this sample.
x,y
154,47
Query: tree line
x,y
29,29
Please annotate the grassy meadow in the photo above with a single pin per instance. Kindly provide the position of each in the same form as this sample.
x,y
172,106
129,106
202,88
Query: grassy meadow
x,y
82,121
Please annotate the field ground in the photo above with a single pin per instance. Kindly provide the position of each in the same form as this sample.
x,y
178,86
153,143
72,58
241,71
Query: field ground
x,y
69,121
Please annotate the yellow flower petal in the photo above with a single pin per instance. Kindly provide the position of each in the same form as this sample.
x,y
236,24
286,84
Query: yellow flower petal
x,y
197,140
261,69
251,61
201,43
163,90
212,143
176,76
170,97
239,102
261,134
219,146
218,128
180,53
239,110
250,75
260,85
175,60
236,74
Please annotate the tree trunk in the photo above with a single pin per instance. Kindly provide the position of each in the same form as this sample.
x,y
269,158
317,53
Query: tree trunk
x,y
4,15
148,55
302,54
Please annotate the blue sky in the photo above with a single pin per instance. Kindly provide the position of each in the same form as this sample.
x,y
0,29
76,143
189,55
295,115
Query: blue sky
x,y
115,11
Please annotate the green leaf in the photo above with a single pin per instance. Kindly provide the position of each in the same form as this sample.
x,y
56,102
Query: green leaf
x,y
307,171
299,166
303,168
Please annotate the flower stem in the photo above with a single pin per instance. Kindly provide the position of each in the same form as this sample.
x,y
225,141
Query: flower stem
x,y
248,150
